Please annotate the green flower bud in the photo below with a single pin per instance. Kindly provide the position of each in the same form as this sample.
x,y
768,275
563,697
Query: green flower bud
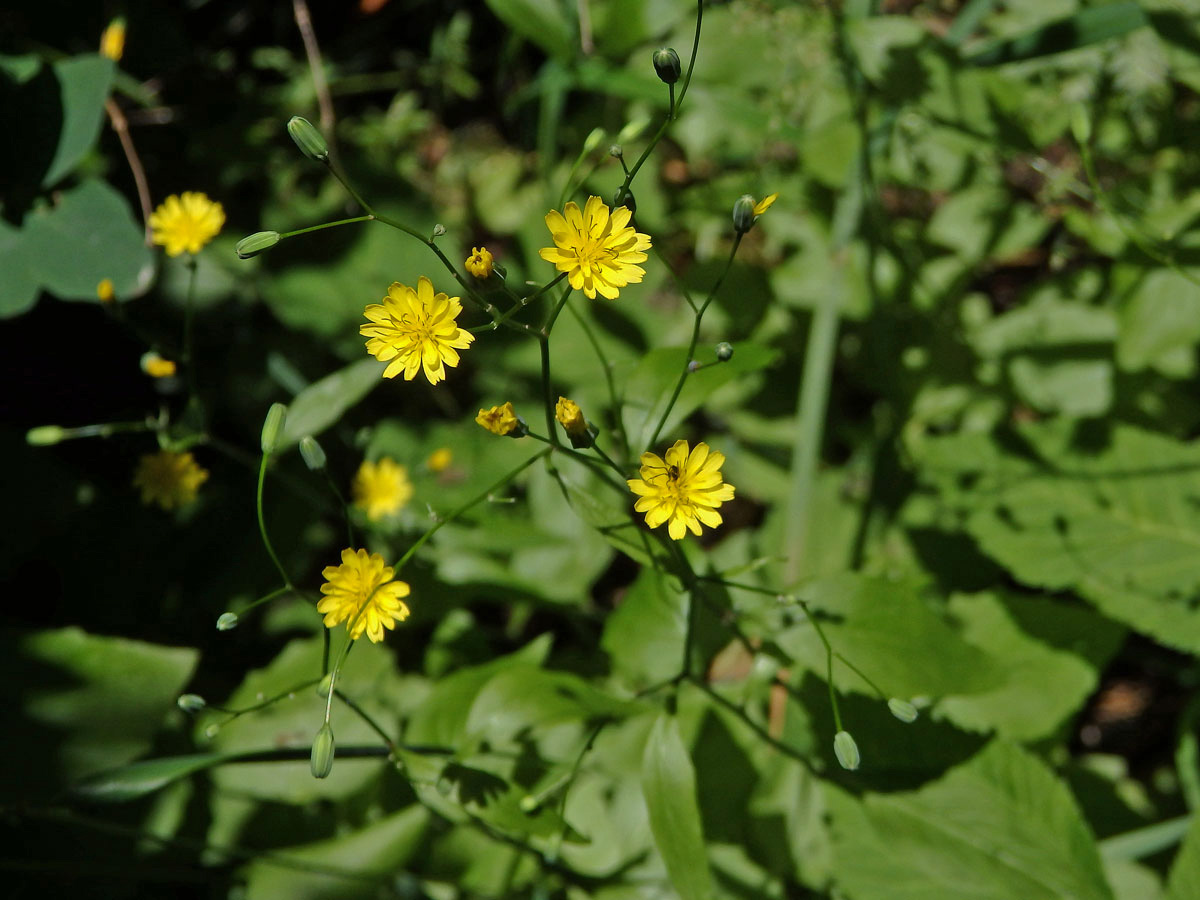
x,y
743,214
321,761
308,139
724,351
592,141
846,750
616,151
272,427
256,243
227,621
45,435
190,702
624,197
903,710
324,685
666,64
311,453
439,229
530,804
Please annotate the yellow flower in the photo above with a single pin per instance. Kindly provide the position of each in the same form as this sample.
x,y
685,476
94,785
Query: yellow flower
x,y
570,417
104,291
439,460
168,479
479,263
186,222
157,367
683,490
415,329
381,488
764,204
112,41
499,420
596,249
361,593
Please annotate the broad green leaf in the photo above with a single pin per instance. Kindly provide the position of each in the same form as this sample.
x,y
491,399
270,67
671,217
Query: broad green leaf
x,y
1160,322
360,864
88,236
1132,881
323,403
1112,516
888,631
1183,883
669,783
84,703
543,22
999,826
84,82
18,283
1091,25
145,777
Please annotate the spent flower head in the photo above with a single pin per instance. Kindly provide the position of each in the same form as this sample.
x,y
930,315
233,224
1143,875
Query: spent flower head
x,y
597,248
415,329
184,223
361,593
381,488
156,366
502,420
683,488
112,41
169,479
479,263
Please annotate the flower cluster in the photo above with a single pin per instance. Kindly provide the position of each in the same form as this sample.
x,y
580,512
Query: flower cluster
x,y
361,593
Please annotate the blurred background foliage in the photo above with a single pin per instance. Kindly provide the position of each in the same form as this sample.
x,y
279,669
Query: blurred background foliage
x,y
985,258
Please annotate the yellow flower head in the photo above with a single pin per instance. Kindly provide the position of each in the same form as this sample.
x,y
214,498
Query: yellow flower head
x,y
570,416
683,490
361,593
381,488
112,41
499,420
186,222
439,460
104,291
168,479
157,367
597,249
415,329
764,204
479,263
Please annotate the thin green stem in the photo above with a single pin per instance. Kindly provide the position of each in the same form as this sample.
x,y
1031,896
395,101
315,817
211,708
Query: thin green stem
x,y
189,313
837,716
547,393
311,228
262,704
859,672
261,600
616,428
366,717
262,526
758,730
523,302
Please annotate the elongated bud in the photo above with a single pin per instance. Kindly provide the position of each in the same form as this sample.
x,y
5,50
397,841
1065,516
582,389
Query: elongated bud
x,y
846,750
743,214
724,351
190,703
308,139
903,710
256,243
45,435
272,427
312,453
666,64
227,621
324,685
321,761
592,141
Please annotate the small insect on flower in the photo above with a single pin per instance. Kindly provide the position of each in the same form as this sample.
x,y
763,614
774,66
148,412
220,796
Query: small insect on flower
x,y
361,593
186,222
415,329
683,489
169,479
381,488
598,249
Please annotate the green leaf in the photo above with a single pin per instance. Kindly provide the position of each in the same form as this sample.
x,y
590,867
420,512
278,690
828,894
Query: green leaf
x,y
146,777
360,864
83,703
1183,883
1160,324
84,81
541,21
669,784
1091,25
999,826
18,284
88,236
324,402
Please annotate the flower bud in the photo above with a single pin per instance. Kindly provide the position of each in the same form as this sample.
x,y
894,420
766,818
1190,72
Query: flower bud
x,y
112,40
45,435
616,151
324,686
724,351
321,761
312,453
227,621
592,141
666,64
743,214
308,139
530,804
256,243
272,427
439,229
846,750
570,417
190,703
693,366
624,197
903,710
